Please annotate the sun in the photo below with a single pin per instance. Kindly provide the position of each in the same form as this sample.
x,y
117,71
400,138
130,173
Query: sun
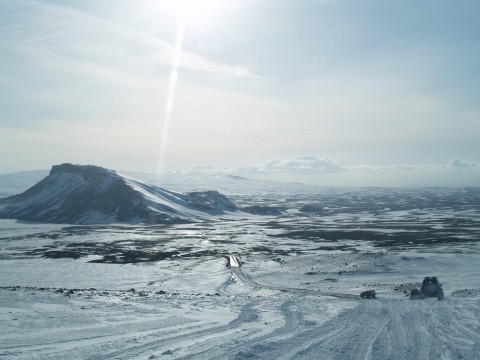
x,y
188,13
196,11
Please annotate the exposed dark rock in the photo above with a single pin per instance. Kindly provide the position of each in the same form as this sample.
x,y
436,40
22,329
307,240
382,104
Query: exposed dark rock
x,y
313,209
262,210
210,201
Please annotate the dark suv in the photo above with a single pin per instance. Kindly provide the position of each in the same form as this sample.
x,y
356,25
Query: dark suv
x,y
432,288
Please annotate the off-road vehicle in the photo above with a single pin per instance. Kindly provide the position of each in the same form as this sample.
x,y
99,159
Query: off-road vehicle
x,y
432,288
368,294
415,294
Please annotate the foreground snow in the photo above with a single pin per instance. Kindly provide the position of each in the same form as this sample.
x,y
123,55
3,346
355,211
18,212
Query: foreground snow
x,y
105,325
204,310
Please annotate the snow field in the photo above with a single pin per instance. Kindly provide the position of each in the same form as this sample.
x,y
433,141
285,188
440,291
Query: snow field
x,y
275,306
49,325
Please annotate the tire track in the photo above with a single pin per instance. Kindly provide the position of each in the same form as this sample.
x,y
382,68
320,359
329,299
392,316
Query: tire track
x,y
237,272
394,329
292,318
166,343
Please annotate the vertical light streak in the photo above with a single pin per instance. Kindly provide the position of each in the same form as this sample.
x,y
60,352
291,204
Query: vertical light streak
x,y
171,95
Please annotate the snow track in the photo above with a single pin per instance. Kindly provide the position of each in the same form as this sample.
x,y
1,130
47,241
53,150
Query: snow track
x,y
370,330
237,272
287,326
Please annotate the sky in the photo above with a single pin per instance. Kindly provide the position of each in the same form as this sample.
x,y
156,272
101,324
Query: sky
x,y
350,92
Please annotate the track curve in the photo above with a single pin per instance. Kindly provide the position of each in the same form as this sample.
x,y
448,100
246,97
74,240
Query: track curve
x,y
235,266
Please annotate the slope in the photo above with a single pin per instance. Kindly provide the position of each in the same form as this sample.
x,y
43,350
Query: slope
x,y
74,194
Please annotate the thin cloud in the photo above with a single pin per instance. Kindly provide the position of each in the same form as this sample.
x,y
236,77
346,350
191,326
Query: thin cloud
x,y
460,164
300,165
454,164
96,42
314,170
393,167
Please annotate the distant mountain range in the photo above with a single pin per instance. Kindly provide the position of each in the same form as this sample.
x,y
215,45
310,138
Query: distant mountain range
x,y
75,194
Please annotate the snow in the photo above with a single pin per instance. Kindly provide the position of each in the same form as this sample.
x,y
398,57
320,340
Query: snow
x,y
288,294
161,199
62,185
87,195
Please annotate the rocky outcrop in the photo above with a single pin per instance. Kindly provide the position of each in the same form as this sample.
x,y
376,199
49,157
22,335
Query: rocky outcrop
x,y
262,210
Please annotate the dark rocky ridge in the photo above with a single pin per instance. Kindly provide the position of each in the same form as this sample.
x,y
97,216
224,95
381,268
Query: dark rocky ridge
x,y
75,194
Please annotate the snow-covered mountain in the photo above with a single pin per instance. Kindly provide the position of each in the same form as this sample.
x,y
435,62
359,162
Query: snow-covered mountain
x,y
75,194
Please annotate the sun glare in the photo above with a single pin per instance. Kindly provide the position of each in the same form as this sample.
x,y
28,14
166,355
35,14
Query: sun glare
x,y
187,12
196,11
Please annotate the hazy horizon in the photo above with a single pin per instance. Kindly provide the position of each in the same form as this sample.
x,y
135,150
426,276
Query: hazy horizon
x,y
309,170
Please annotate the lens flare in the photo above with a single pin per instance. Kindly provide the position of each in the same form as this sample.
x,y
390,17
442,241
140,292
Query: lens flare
x,y
187,12
171,94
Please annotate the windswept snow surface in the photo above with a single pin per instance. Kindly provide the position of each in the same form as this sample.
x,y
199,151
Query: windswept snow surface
x,y
291,291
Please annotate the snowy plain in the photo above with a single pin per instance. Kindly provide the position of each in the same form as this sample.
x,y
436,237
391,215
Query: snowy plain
x,y
165,291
